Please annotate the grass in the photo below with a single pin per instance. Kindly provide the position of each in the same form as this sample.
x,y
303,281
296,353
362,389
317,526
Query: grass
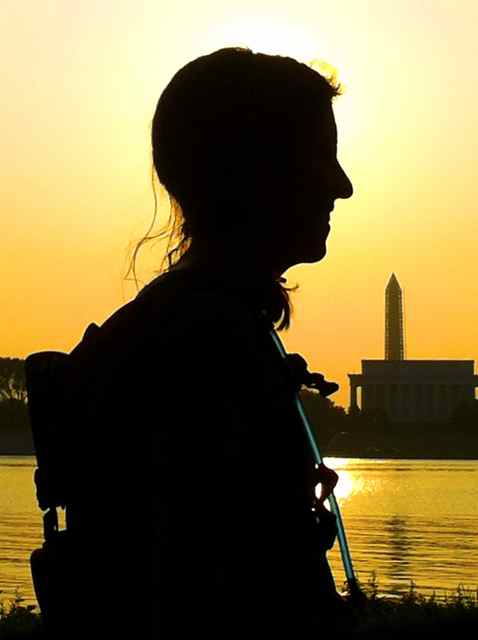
x,y
415,612
17,620
377,613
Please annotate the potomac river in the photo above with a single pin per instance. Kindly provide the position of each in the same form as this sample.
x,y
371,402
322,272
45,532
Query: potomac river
x,y
405,520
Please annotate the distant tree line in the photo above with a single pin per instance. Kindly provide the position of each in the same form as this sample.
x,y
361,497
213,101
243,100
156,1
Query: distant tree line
x,y
13,393
326,418
463,421
12,379
329,421
371,433
15,435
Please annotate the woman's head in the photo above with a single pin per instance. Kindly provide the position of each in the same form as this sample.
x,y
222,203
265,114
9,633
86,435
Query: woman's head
x,y
245,144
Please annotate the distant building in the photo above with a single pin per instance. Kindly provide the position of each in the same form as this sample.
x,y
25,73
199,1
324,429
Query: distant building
x,y
410,390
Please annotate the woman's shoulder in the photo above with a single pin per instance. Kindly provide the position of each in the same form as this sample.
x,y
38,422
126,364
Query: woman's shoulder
x,y
173,308
181,300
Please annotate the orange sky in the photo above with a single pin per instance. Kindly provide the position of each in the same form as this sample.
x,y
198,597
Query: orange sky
x,y
80,83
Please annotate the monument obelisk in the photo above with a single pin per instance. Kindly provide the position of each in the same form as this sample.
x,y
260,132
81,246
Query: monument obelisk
x,y
394,345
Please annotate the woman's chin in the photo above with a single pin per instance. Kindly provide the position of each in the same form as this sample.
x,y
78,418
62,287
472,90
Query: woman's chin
x,y
308,253
315,255
319,253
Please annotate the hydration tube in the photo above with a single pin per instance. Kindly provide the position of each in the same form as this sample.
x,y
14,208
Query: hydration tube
x,y
334,507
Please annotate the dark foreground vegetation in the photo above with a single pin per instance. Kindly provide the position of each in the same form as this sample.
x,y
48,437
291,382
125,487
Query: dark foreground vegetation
x,y
416,613
410,612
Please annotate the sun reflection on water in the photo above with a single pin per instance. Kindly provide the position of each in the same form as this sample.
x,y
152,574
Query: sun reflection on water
x,y
350,482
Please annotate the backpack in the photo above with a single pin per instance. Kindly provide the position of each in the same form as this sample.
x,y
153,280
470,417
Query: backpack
x,y
50,381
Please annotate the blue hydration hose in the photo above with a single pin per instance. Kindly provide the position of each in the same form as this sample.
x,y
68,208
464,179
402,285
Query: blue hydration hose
x,y
334,507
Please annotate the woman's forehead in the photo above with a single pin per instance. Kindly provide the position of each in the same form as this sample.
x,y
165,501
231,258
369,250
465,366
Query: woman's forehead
x,y
323,130
326,126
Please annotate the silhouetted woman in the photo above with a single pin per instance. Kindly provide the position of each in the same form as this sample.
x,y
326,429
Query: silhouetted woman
x,y
246,146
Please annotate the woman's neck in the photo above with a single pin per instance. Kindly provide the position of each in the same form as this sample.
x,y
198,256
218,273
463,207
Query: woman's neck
x,y
229,264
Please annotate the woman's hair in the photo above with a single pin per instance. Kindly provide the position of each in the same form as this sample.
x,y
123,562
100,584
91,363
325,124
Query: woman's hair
x,y
227,136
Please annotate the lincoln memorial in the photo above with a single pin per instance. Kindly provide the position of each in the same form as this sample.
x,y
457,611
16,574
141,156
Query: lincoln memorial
x,y
410,390
413,390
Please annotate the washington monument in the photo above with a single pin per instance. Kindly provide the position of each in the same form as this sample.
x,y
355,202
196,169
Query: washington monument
x,y
394,343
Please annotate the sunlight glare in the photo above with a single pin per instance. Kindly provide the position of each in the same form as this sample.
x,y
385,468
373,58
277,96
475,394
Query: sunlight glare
x,y
347,483
264,35
345,486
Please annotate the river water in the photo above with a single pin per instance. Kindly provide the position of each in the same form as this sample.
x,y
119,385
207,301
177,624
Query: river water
x,y
404,519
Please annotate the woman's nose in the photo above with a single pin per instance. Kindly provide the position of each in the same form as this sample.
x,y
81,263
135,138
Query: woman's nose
x,y
344,186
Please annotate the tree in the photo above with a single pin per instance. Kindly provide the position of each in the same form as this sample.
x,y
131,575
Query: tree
x,y
325,416
368,421
12,379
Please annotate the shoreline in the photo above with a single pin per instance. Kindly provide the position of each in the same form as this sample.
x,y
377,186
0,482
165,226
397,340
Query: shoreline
x,y
332,453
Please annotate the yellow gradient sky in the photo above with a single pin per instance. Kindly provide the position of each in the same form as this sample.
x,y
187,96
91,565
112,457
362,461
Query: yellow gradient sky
x,y
80,81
